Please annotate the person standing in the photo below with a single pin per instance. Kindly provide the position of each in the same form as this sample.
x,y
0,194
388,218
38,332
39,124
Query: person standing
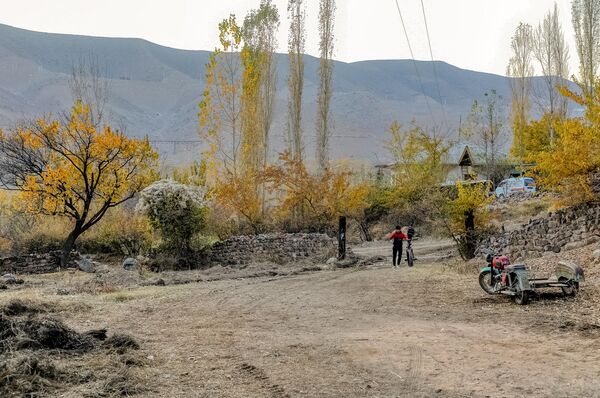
x,y
398,237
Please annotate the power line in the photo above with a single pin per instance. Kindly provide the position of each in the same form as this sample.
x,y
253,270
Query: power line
x,y
437,81
412,56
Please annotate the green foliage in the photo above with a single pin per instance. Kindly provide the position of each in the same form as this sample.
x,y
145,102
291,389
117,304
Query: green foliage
x,y
469,216
418,172
176,210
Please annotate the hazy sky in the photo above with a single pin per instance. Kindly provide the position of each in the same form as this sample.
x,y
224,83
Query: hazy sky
x,y
472,34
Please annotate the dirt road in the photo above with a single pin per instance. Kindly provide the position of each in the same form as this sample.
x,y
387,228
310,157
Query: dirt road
x,y
377,332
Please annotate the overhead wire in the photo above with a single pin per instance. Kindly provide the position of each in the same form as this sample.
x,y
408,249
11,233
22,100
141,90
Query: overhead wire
x,y
437,80
412,56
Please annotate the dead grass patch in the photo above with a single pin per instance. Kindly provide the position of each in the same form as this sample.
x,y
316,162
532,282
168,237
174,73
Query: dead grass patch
x,y
41,356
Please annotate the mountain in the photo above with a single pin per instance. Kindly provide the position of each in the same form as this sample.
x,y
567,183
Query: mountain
x,y
155,91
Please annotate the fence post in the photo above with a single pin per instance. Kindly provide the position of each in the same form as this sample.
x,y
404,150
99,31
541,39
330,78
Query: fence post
x,y
342,239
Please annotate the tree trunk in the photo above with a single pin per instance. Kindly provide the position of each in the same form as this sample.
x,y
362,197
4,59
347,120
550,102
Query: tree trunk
x,y
470,238
68,247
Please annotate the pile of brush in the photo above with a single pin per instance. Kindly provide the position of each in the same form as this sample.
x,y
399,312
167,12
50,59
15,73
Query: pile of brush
x,y
40,355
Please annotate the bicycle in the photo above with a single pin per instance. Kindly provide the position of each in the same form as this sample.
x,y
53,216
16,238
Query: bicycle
x,y
410,257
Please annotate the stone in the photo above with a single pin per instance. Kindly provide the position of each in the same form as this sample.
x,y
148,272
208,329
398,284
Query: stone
x,y
130,264
9,277
86,265
596,253
574,245
63,292
331,260
154,282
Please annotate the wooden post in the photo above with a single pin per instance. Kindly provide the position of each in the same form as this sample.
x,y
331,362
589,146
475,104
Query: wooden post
x,y
342,239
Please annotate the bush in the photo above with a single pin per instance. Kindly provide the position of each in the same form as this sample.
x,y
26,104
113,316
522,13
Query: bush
x,y
45,235
176,210
121,231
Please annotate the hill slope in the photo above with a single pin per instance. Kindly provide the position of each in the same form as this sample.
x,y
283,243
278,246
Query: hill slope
x,y
155,90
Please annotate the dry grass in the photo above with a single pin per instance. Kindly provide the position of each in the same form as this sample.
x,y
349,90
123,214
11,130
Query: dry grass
x,y
41,356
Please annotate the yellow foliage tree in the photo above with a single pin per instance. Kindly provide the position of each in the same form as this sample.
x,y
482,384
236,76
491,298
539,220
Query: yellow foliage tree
x,y
418,171
469,215
572,165
313,202
74,169
238,194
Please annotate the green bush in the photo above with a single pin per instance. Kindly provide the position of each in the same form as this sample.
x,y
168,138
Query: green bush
x,y
177,211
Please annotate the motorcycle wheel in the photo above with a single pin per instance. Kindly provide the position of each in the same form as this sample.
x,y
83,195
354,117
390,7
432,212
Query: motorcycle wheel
x,y
571,290
410,258
484,282
522,297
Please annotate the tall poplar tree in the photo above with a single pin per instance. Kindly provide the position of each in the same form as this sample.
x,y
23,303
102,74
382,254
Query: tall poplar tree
x,y
296,41
586,23
326,45
520,71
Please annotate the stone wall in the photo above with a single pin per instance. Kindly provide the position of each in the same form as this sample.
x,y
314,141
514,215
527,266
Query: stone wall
x,y
278,248
34,263
563,230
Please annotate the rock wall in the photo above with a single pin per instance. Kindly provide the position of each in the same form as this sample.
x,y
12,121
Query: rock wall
x,y
35,263
278,248
563,230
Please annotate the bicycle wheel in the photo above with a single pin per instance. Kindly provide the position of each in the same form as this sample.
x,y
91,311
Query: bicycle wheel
x,y
410,258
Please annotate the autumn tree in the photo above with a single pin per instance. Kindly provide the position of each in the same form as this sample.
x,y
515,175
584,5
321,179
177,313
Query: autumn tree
x,y
419,170
326,44
586,23
220,108
88,87
296,41
467,216
258,91
520,71
572,166
552,54
322,198
260,32
484,128
74,169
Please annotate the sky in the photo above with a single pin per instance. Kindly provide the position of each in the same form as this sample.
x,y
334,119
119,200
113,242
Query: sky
x,y
471,34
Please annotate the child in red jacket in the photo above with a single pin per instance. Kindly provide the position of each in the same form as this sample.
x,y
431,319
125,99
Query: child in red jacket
x,y
398,236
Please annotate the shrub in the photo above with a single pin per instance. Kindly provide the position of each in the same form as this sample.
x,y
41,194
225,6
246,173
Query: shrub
x,y
121,231
176,210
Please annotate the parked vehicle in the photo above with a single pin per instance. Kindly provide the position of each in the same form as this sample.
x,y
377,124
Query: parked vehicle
x,y
500,277
515,185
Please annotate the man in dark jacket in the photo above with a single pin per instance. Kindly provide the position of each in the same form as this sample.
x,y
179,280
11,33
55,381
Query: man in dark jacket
x,y
398,237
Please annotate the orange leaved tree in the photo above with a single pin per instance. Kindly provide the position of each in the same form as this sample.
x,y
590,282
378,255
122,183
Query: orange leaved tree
x,y
313,202
74,169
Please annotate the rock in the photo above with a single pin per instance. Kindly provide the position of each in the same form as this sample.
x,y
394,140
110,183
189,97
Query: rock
x,y
331,261
86,265
596,253
130,264
63,292
154,282
574,245
349,262
10,279
142,259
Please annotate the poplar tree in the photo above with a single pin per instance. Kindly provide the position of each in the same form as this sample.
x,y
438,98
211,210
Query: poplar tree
x,y
326,31
296,41
586,23
520,71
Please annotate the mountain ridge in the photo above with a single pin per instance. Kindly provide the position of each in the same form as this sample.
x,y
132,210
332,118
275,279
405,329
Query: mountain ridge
x,y
155,90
